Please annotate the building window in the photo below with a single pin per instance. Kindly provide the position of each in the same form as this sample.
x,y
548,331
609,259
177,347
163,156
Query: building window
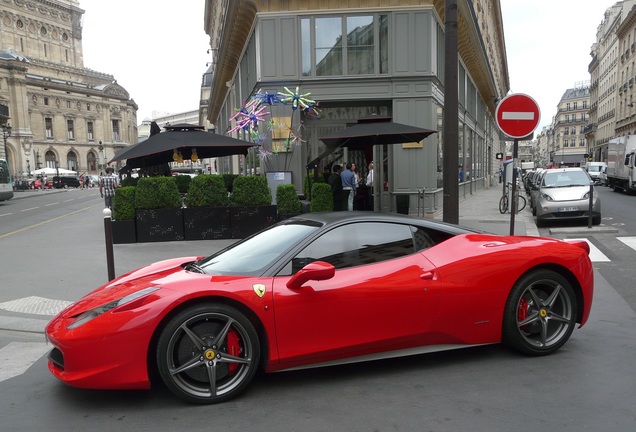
x,y
568,107
89,131
70,126
584,104
71,161
567,119
352,45
91,161
48,127
575,104
88,107
46,101
68,104
115,130
566,143
573,132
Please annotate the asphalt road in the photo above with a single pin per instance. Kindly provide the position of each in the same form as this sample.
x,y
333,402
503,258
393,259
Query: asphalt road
x,y
57,253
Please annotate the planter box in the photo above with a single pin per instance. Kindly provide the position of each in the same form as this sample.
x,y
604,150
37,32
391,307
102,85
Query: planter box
x,y
159,225
249,220
124,231
206,223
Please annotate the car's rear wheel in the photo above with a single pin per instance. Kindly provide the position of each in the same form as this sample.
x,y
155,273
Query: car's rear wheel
x,y
540,313
208,353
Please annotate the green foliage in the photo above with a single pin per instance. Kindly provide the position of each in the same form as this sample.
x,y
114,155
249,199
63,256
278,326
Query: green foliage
x,y
251,191
157,192
130,181
124,203
310,181
287,200
207,191
183,183
321,198
228,179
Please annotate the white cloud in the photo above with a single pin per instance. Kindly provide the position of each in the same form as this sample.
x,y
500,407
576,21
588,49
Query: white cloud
x,y
157,50
548,44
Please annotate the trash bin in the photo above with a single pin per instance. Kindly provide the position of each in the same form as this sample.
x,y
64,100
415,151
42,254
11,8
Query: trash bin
x,y
402,203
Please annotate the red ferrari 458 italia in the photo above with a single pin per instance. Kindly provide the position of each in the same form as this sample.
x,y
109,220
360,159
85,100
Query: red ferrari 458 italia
x,y
321,289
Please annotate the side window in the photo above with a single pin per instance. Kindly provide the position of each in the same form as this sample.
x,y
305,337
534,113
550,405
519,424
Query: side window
x,y
357,244
425,239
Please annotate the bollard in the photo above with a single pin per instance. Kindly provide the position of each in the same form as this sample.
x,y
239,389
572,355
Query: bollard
x,y
108,233
589,215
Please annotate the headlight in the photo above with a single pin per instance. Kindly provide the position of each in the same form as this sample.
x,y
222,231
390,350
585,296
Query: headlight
x,y
89,315
546,197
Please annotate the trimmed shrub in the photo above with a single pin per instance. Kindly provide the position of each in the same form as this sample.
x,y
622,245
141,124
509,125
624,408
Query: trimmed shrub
x,y
251,191
309,183
124,203
207,191
287,200
156,193
130,181
183,183
321,198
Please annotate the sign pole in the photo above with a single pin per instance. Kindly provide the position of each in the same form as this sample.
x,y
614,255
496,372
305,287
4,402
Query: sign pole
x,y
513,201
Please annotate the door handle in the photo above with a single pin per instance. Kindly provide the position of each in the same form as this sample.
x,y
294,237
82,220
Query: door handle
x,y
427,275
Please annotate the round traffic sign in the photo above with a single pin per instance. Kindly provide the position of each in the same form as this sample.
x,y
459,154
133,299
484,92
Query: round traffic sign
x,y
518,115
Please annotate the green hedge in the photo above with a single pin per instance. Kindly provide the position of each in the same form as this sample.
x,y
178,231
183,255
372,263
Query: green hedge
x,y
321,198
130,181
207,191
183,183
287,200
157,192
251,191
310,181
229,181
124,203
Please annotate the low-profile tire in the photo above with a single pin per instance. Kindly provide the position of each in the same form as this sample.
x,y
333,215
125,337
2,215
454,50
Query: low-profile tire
x,y
596,220
540,313
208,353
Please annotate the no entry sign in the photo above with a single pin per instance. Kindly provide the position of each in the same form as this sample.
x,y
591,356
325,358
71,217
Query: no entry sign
x,y
518,115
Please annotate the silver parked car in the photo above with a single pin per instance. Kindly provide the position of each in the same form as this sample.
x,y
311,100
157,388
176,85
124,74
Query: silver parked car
x,y
564,194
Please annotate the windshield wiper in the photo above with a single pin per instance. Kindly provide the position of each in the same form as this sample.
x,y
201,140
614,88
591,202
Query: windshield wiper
x,y
193,266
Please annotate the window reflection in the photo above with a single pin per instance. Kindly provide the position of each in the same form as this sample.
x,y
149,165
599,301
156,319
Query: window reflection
x,y
328,46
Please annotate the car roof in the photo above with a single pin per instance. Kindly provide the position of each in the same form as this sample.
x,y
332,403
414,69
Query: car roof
x,y
342,217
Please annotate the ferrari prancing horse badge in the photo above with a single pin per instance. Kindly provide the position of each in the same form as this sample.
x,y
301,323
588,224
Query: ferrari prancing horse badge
x,y
259,289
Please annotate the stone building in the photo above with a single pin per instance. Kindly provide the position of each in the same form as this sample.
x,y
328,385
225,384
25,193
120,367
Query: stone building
x,y
358,59
62,114
626,76
570,144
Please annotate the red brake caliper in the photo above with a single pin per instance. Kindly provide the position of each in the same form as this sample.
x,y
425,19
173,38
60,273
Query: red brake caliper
x,y
522,312
233,348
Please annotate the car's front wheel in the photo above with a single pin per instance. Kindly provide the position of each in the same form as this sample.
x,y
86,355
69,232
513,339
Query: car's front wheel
x,y
540,313
208,353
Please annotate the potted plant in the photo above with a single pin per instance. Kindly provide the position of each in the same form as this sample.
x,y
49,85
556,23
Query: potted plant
x,y
207,214
321,198
251,206
123,221
158,210
287,201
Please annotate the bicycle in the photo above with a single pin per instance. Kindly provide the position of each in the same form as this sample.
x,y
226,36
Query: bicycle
x,y
504,201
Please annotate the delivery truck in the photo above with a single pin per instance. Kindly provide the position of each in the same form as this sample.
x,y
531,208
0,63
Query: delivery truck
x,y
620,163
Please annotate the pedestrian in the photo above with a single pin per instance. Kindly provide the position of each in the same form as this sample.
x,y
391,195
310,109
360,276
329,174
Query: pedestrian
x,y
335,182
107,186
369,184
349,187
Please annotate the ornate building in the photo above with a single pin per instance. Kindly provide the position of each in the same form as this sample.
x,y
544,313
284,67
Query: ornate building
x,y
361,58
62,114
570,144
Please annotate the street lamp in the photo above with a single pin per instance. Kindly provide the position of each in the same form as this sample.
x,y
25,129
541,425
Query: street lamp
x,y
101,158
6,133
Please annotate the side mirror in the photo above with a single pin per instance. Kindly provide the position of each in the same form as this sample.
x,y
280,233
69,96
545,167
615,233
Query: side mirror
x,y
317,270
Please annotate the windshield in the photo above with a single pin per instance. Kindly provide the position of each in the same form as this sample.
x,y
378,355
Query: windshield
x,y
594,168
566,179
254,255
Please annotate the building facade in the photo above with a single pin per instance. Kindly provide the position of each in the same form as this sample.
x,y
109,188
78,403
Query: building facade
x,y
62,115
362,58
570,144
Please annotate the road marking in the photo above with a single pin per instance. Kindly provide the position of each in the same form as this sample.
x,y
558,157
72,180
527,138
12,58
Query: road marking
x,y
514,115
595,253
32,208
55,203
69,200
17,357
47,221
629,241
6,214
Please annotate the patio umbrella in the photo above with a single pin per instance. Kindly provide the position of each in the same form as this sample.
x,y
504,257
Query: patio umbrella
x,y
53,171
375,130
185,138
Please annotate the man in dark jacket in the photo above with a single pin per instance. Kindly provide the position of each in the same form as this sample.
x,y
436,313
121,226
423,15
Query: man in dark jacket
x,y
336,187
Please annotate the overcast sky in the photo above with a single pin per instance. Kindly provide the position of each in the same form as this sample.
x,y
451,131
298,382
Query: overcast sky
x,y
157,50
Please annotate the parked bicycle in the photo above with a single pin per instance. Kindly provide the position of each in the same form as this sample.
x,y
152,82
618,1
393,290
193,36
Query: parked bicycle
x,y
504,200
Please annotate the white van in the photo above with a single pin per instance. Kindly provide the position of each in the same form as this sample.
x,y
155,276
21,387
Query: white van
x,y
594,169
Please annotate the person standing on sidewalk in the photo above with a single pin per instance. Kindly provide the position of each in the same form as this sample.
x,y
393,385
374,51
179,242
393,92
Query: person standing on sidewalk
x,y
349,186
107,186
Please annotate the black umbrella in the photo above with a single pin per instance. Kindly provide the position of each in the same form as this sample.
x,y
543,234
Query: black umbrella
x,y
184,138
375,130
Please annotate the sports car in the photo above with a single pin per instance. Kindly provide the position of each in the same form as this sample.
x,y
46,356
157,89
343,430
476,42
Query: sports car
x,y
321,289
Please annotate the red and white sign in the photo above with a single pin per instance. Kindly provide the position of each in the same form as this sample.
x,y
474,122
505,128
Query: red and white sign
x,y
518,115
